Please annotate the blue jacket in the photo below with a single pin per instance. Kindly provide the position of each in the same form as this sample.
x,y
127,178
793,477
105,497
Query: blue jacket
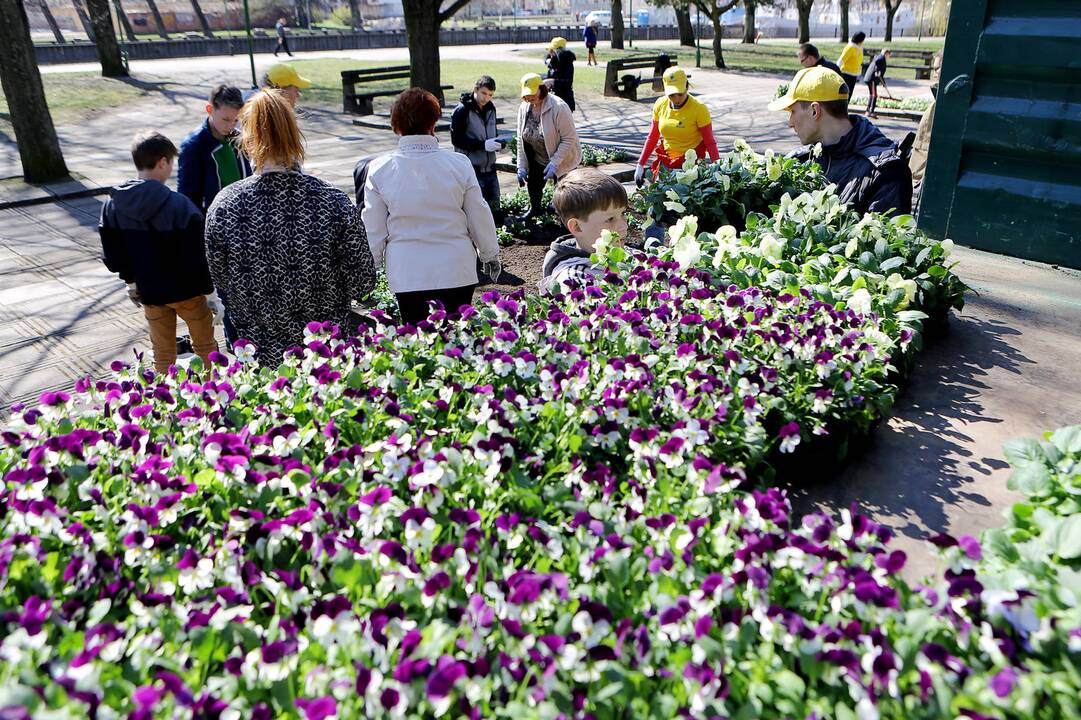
x,y
203,167
589,36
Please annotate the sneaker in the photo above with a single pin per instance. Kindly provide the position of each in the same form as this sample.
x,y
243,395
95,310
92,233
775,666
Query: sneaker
x,y
183,345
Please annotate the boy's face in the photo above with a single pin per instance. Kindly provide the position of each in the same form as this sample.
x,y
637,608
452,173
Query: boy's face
x,y
483,96
222,119
587,230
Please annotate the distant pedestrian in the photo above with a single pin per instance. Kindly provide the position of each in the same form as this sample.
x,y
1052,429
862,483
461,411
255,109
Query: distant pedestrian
x,y
283,40
152,238
560,63
589,37
851,61
875,76
809,56
287,81
548,146
425,215
473,133
284,248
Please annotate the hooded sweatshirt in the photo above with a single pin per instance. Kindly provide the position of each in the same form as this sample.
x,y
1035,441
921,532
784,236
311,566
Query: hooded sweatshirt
x,y
470,126
153,237
564,262
870,170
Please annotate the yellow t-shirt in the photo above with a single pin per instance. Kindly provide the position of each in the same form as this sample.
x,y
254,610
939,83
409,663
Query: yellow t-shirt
x,y
851,60
679,128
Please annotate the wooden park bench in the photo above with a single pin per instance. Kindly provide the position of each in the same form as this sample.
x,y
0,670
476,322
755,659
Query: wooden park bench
x,y
360,103
922,61
620,83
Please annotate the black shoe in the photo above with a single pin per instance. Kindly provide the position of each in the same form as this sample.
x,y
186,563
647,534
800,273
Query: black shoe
x,y
183,345
528,216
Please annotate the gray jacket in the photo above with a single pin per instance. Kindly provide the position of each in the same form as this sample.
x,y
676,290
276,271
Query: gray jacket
x,y
470,126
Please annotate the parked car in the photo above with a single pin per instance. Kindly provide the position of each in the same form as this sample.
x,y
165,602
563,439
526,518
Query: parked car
x,y
603,18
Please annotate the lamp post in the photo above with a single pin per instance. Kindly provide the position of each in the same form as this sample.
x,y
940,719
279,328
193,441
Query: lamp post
x,y
697,37
630,31
251,44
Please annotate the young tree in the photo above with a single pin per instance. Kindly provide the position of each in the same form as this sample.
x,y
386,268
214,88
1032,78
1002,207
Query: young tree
x,y
683,21
422,21
617,24
843,6
201,17
158,22
51,20
891,10
748,20
112,65
804,9
35,136
356,14
714,9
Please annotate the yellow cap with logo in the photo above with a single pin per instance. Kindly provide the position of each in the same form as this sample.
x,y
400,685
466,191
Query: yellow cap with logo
x,y
282,75
531,83
557,43
813,84
675,81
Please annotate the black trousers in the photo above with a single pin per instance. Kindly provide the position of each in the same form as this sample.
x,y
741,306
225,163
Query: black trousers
x,y
283,44
534,181
851,81
872,102
413,306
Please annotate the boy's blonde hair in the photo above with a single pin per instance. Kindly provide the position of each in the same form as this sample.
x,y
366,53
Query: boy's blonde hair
x,y
269,131
583,191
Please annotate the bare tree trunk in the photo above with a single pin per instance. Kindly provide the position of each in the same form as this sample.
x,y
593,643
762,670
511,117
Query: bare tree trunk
x,y
128,31
804,8
112,65
718,31
844,19
201,18
422,31
157,19
84,19
748,20
686,27
891,10
617,24
35,136
356,14
51,20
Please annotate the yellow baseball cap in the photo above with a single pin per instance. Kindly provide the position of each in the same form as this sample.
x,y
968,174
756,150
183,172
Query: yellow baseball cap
x,y
557,43
283,75
675,81
813,84
531,83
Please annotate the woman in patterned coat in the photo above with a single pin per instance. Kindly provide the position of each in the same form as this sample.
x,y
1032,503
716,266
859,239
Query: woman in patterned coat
x,y
284,248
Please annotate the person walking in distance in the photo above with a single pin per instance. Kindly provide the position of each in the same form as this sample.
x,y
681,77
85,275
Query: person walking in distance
x,y
283,41
589,37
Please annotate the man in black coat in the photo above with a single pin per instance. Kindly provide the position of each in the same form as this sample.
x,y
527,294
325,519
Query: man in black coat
x,y
869,170
809,56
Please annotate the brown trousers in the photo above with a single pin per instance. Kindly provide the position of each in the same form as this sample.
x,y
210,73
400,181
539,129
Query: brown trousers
x,y
162,321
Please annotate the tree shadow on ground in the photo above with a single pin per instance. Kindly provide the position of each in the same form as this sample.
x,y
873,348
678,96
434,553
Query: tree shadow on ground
x,y
920,463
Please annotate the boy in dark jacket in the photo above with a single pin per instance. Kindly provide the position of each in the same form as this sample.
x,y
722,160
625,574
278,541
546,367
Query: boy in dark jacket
x,y
209,158
472,133
869,170
152,238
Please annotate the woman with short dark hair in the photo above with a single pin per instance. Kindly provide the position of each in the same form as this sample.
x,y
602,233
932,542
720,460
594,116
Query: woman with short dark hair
x,y
425,215
284,248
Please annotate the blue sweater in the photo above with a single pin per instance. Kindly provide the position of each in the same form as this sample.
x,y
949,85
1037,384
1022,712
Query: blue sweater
x,y
204,166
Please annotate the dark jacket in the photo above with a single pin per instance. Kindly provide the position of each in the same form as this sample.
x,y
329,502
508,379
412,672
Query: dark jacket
x,y
205,166
870,171
561,71
153,237
823,62
470,126
589,36
876,70
360,177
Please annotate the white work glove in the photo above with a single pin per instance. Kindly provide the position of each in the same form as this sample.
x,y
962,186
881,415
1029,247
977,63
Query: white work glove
x,y
134,296
492,268
550,171
640,175
491,145
522,174
217,308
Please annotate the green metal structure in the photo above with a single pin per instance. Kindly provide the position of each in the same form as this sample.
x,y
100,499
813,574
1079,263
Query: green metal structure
x,y
1004,166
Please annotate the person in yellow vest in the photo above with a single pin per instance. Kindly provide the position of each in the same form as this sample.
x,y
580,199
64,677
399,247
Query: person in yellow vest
x,y
851,61
681,122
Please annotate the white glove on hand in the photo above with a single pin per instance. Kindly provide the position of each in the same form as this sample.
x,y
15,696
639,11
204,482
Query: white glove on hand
x,y
134,296
640,175
216,308
550,171
522,174
493,269
492,145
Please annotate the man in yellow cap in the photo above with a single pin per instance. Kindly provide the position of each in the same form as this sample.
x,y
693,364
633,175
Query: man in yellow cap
x,y
869,170
285,79
681,122
560,63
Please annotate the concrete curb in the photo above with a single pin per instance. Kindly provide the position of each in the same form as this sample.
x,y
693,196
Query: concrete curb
x,y
53,198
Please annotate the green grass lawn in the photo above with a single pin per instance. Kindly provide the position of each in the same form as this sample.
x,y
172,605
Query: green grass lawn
x,y
72,95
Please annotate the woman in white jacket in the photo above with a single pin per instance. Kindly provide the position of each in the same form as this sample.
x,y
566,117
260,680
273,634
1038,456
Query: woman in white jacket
x,y
425,216
548,146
